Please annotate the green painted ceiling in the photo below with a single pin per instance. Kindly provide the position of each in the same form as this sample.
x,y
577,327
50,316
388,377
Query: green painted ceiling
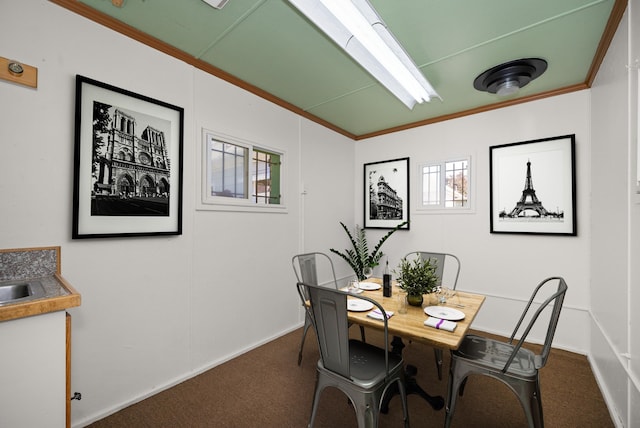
x,y
272,47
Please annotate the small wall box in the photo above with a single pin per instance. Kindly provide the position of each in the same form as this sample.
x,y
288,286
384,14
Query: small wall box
x,y
17,72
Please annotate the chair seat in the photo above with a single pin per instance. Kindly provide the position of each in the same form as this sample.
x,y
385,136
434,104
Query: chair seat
x,y
367,366
494,354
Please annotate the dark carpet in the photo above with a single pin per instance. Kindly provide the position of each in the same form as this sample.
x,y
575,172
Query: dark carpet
x,y
266,388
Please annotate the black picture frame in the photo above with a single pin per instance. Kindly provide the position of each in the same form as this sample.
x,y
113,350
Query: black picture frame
x,y
127,163
533,187
386,194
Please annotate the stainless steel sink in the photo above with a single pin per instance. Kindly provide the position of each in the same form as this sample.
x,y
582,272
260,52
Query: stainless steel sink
x,y
20,292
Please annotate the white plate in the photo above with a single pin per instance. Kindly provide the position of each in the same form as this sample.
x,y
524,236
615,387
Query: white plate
x,y
444,313
368,286
358,305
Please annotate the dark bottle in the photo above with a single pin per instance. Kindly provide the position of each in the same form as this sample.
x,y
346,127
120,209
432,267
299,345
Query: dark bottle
x,y
386,281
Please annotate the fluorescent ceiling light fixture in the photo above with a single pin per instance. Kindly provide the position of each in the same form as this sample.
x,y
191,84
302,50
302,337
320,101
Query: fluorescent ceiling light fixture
x,y
356,27
218,4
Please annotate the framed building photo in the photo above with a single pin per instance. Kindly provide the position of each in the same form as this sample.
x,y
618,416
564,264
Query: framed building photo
x,y
533,187
386,194
128,163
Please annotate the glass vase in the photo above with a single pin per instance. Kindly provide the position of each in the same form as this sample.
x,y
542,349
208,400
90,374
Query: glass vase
x,y
415,299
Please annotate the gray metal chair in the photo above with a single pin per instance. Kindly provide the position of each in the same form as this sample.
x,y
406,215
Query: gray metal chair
x,y
451,281
362,371
306,268
509,362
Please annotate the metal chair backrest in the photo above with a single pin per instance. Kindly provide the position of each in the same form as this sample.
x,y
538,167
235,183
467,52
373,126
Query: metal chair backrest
x,y
441,259
305,266
557,298
328,311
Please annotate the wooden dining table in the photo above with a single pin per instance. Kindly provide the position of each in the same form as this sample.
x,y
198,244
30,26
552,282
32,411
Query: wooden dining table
x,y
410,326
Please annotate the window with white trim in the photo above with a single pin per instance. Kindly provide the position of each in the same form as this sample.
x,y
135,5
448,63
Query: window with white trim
x,y
239,173
445,185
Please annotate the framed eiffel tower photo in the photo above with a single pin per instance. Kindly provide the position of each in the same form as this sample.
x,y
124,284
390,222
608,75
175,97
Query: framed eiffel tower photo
x,y
533,187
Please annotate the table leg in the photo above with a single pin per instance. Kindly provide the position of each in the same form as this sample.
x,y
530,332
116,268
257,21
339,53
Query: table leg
x,y
412,387
397,345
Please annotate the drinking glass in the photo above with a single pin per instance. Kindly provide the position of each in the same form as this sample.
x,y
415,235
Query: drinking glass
x,y
443,294
401,295
352,287
367,271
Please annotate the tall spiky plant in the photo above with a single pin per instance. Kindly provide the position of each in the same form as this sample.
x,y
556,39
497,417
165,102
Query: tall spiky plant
x,y
358,257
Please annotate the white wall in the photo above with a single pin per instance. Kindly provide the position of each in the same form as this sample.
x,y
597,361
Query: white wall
x,y
616,222
157,310
634,214
503,267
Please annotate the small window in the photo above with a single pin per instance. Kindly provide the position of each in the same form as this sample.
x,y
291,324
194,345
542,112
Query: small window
x,y
265,177
239,174
227,169
445,185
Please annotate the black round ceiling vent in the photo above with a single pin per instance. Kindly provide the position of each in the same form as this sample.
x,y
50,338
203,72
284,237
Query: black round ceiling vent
x,y
508,78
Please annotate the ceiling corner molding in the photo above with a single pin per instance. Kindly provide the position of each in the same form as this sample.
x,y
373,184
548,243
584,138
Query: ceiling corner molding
x,y
81,9
607,36
507,103
126,30
122,28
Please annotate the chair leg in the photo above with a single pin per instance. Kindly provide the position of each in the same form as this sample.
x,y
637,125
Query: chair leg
x,y
438,354
403,397
316,400
462,385
366,413
452,393
362,333
307,324
533,406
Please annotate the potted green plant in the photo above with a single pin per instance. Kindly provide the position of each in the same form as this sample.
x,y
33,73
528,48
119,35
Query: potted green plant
x,y
417,277
359,257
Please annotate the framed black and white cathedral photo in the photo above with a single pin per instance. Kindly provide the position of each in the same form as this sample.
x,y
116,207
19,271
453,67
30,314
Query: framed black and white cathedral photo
x,y
533,187
128,163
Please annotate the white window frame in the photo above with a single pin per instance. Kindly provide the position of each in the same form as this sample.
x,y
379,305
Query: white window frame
x,y
441,208
223,203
